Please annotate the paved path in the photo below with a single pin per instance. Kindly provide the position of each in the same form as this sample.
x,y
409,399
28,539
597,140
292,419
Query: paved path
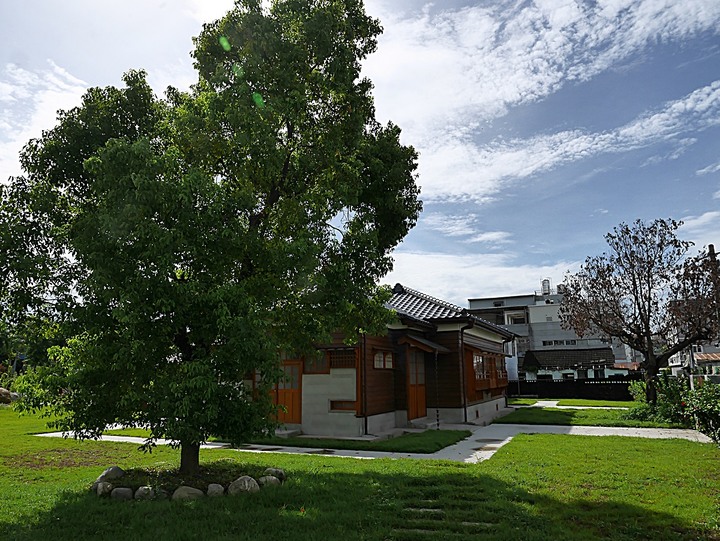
x,y
482,444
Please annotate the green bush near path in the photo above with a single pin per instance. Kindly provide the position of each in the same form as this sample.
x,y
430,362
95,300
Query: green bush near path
x,y
535,488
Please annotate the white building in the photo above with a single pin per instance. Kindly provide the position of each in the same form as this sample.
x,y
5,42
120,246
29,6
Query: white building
x,y
535,319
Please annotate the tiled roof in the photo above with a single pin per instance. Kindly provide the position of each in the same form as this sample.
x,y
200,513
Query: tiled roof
x,y
549,359
419,306
707,357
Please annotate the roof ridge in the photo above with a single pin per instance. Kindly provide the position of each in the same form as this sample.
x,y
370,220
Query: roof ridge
x,y
427,297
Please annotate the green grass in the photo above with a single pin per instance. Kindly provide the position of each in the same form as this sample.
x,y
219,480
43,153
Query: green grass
x,y
573,402
426,442
596,403
537,487
522,401
584,417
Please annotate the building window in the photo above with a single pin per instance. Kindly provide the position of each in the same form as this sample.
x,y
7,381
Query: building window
x,y
480,367
342,405
547,342
515,318
498,304
317,364
697,348
548,318
383,359
341,358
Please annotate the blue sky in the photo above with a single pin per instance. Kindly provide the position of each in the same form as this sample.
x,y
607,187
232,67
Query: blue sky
x,y
540,125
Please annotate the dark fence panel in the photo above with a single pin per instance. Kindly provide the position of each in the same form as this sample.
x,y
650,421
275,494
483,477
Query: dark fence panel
x,y
597,389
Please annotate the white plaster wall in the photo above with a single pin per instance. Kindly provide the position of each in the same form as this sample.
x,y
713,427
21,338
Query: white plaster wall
x,y
482,413
317,392
383,422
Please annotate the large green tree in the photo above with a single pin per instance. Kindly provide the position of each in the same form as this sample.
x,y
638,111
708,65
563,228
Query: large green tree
x,y
648,292
182,243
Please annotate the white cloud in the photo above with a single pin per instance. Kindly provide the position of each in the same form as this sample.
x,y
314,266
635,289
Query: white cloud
x,y
456,168
36,97
205,11
491,237
713,168
443,74
703,229
456,278
450,225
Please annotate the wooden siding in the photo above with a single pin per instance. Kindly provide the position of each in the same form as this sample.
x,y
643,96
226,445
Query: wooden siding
x,y
445,389
379,382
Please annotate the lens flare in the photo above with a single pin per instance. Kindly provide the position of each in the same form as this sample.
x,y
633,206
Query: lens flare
x,y
257,98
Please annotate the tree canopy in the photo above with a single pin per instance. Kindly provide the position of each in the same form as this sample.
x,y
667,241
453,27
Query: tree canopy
x,y
183,242
647,291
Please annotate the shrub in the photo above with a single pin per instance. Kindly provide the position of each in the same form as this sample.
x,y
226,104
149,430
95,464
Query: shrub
x,y
7,379
670,405
703,405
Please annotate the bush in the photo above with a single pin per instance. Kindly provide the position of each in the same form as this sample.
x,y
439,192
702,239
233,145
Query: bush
x,y
670,405
703,405
7,379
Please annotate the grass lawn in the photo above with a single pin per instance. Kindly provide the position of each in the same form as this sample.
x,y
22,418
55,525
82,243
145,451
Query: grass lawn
x,y
586,417
428,441
596,403
522,401
536,488
573,402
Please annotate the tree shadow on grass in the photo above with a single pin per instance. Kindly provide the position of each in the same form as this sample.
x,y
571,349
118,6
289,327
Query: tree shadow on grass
x,y
348,499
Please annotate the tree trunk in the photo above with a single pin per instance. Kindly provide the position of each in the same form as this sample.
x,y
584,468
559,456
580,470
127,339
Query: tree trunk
x,y
190,458
650,389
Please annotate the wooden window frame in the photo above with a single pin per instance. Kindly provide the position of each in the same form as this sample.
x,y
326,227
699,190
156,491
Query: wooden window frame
x,y
386,362
343,405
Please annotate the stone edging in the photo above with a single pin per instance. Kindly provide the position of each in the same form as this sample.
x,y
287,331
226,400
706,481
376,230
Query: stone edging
x,y
103,487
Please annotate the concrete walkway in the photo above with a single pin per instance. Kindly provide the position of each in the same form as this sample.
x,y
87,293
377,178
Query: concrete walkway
x,y
482,443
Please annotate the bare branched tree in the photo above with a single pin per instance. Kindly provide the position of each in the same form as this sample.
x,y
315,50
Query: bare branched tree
x,y
646,291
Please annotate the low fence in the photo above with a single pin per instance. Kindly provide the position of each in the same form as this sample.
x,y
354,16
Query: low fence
x,y
593,389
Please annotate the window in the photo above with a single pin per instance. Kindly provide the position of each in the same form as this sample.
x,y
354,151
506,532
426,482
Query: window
x,y
697,348
341,358
571,342
547,342
317,364
498,304
479,367
342,405
383,359
515,318
548,318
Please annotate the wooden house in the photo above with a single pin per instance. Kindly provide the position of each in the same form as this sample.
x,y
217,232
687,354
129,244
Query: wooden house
x,y
436,363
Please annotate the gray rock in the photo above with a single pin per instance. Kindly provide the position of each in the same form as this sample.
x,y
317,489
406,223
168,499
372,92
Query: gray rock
x,y
276,472
243,484
110,474
187,493
4,396
268,480
144,493
215,490
14,397
103,488
122,493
